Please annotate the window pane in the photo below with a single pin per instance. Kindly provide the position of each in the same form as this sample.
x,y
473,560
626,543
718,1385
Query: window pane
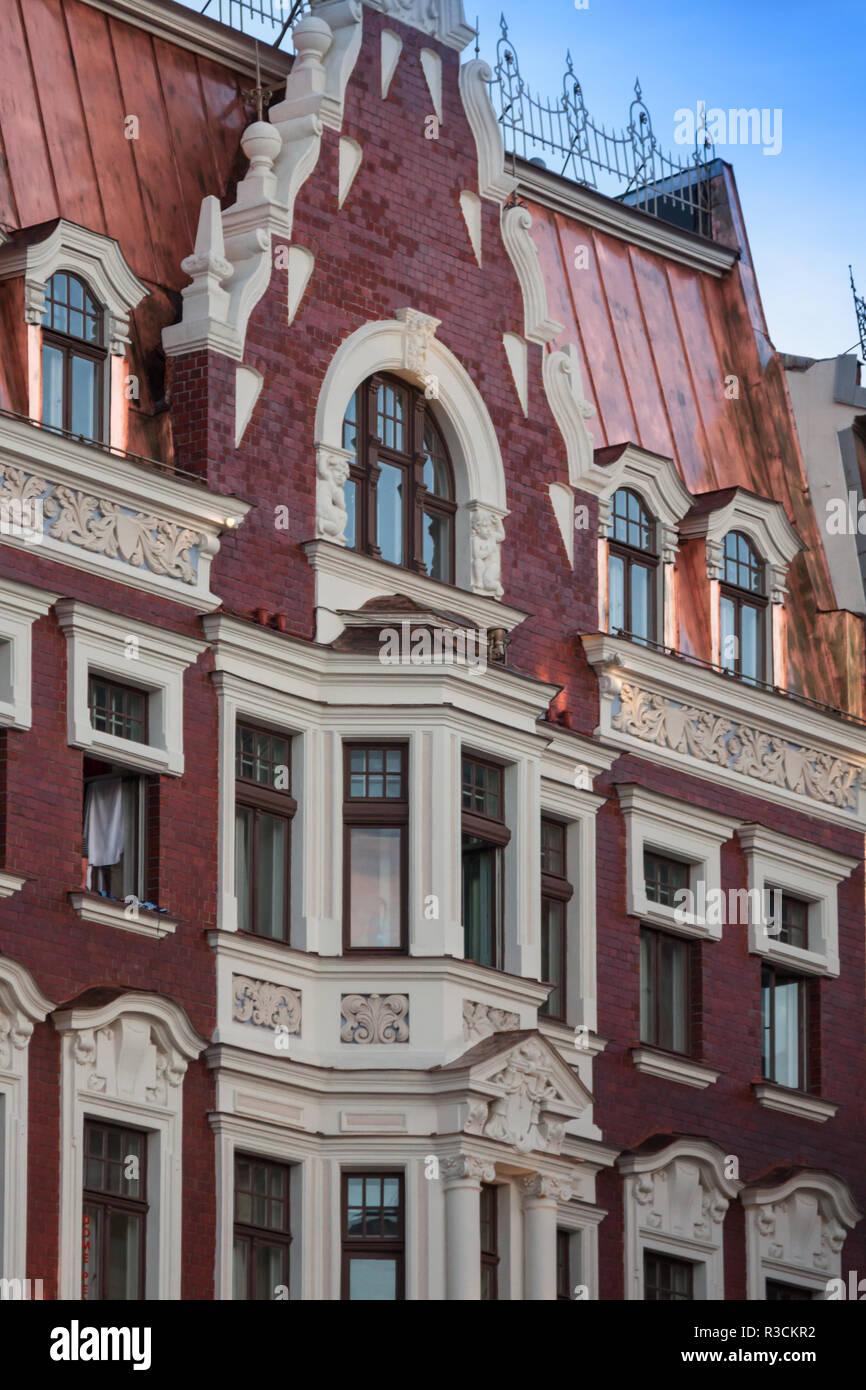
x,y
437,546
350,492
271,1269
240,1268
83,420
124,1236
52,386
750,652
480,901
375,854
389,513
647,988
243,862
787,1050
616,593
728,635
552,933
672,1013
640,601
272,854
372,1280
663,877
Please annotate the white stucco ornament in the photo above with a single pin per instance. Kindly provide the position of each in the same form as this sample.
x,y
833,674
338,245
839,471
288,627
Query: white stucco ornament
x,y
488,533
332,473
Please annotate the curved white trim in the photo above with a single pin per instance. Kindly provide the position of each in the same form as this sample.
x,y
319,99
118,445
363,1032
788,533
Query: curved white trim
x,y
516,225
22,1004
563,387
350,158
764,521
301,265
392,47
493,182
248,387
795,1231
470,206
462,414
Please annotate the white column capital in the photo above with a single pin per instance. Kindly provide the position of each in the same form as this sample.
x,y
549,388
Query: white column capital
x,y
544,1188
465,1168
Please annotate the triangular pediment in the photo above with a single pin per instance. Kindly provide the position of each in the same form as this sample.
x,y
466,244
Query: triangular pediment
x,y
520,1091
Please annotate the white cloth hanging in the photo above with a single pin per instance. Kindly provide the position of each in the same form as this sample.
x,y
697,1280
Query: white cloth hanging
x,y
104,824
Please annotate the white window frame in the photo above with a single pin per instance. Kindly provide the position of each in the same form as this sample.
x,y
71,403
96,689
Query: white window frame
x,y
22,1005
582,1222
237,1135
20,606
667,826
111,1057
674,1203
97,643
795,1231
806,871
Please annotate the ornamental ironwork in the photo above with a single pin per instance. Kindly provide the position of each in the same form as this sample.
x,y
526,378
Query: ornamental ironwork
x,y
629,165
860,310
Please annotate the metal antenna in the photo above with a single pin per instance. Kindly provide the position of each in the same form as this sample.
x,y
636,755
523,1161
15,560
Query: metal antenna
x,y
259,94
860,310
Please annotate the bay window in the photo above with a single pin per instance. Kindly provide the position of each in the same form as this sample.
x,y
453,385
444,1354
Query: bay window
x,y
262,1232
373,1221
400,490
375,848
484,837
264,807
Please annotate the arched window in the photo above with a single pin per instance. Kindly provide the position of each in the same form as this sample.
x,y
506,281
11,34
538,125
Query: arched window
x,y
400,492
743,608
73,357
632,565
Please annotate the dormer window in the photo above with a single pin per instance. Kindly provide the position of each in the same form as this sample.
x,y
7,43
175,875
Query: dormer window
x,y
73,357
743,606
400,490
632,565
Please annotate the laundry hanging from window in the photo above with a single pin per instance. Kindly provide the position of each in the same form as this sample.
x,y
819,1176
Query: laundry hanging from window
x,y
104,824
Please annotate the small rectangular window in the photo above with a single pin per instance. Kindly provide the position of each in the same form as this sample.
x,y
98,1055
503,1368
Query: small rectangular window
x,y
117,808
563,1265
118,709
663,877
264,808
794,929
667,1280
114,1215
489,1242
785,1023
373,1238
376,827
665,975
556,892
262,1228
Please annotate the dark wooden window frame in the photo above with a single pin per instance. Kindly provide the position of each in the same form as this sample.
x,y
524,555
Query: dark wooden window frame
x,y
262,1235
631,556
365,471
256,797
657,935
669,1261
375,812
557,888
648,852
807,1068
490,1254
93,677
745,598
777,1291
564,1239
109,1202
146,832
72,347
496,836
371,1247
784,936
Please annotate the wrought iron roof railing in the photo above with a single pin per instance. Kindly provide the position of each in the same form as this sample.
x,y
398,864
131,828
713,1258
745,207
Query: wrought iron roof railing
x,y
860,310
629,166
268,20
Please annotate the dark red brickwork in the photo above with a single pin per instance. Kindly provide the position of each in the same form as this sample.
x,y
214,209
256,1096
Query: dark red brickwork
x,y
400,240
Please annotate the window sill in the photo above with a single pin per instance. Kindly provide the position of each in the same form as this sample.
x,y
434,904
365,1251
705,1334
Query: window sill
x,y
346,579
670,1067
10,883
563,1036
790,1102
107,912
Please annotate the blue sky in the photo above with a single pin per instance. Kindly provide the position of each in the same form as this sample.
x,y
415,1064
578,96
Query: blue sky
x,y
805,207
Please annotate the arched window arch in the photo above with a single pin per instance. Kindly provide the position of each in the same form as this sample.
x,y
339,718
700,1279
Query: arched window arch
x,y
632,565
400,496
743,606
73,357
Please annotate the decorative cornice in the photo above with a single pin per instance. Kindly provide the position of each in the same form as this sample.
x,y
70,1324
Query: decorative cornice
x,y
669,1068
834,1192
780,750
616,218
169,1018
793,1102
465,1168
10,883
543,1187
112,516
571,410
762,519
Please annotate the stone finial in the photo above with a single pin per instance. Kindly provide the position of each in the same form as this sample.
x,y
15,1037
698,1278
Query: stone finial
x,y
261,143
207,267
